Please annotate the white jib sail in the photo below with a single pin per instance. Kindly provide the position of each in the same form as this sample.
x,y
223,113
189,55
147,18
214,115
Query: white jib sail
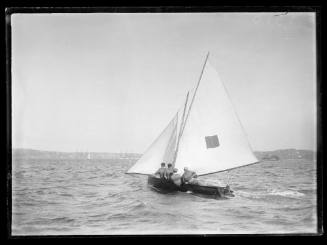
x,y
161,150
213,139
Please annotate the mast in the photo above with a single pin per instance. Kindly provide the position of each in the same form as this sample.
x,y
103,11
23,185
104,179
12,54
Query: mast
x,y
180,130
197,86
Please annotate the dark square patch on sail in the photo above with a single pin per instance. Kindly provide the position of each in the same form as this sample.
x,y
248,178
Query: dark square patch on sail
x,y
212,141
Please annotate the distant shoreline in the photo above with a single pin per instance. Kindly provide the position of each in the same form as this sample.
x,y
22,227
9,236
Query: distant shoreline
x,y
39,154
261,155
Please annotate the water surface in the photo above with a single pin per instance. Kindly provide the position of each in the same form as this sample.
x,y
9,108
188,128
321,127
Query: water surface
x,y
87,197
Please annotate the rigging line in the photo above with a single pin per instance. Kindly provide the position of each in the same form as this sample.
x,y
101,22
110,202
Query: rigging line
x,y
171,137
197,86
228,177
180,131
238,118
182,121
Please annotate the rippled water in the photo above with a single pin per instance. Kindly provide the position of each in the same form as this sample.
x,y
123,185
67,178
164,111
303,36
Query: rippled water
x,y
51,197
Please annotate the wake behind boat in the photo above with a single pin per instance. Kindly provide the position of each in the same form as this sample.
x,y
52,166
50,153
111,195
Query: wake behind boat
x,y
205,136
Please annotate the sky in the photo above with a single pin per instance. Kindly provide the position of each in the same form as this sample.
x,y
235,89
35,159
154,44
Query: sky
x,y
111,82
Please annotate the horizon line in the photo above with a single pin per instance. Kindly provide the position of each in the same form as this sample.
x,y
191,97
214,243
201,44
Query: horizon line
x,y
21,148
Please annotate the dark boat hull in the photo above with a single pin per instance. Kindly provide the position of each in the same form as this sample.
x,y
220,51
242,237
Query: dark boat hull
x,y
162,184
207,191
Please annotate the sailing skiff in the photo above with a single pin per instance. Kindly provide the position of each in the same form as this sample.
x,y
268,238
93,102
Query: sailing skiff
x,y
205,135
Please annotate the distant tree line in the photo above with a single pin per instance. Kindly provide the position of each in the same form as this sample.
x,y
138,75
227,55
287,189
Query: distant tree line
x,y
286,154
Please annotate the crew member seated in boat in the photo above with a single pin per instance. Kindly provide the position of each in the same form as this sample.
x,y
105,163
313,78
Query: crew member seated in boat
x,y
176,178
162,171
169,171
188,176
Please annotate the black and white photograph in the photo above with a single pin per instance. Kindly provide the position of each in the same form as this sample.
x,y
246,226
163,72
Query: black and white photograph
x,y
163,123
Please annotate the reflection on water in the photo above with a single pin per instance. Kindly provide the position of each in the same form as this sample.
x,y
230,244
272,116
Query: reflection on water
x,y
96,197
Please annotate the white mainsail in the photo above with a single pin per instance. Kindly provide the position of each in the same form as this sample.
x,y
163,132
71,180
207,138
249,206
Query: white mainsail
x,y
161,150
213,139
209,139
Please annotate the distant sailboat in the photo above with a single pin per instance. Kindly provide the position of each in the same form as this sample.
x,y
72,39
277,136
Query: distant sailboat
x,y
205,135
89,156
